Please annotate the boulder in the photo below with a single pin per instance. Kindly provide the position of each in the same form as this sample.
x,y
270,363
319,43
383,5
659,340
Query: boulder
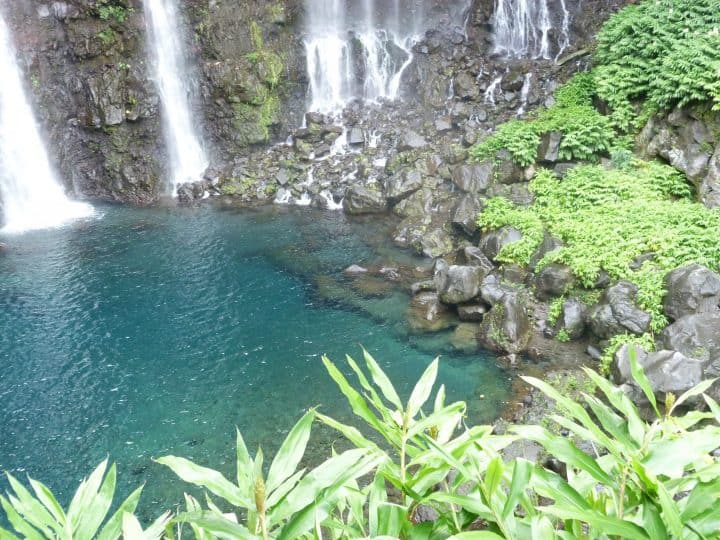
x,y
696,336
436,243
466,213
549,151
410,140
507,327
506,170
548,245
474,178
572,319
457,284
616,313
426,313
355,136
464,338
402,184
492,290
552,281
492,243
691,289
475,257
364,200
667,371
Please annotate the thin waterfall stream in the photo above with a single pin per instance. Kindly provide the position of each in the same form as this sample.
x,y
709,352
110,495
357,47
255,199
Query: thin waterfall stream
x,y
31,195
188,160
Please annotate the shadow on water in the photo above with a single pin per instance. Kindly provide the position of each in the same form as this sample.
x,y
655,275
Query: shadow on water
x,y
157,331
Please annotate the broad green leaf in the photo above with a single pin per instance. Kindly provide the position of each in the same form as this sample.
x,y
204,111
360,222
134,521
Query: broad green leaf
x,y
283,489
357,402
493,476
84,496
217,525
452,413
244,464
382,380
207,478
113,528
132,530
702,497
695,391
351,433
671,457
469,503
653,522
542,529
291,452
7,535
97,508
31,509
18,523
670,513
607,524
522,470
613,423
46,497
423,389
564,450
714,407
641,379
476,535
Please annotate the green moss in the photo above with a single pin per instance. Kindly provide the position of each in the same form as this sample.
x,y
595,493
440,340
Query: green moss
x,y
555,310
608,218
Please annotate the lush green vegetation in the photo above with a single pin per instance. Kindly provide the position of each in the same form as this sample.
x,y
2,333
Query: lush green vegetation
x,y
607,218
640,480
660,53
585,132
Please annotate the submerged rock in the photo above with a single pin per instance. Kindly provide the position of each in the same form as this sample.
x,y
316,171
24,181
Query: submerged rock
x,y
426,313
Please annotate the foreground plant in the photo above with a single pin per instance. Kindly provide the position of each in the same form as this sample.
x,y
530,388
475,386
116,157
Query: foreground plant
x,y
433,478
38,515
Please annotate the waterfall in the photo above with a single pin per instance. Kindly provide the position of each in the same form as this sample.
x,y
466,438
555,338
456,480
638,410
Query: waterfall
x,y
32,197
187,157
358,50
522,28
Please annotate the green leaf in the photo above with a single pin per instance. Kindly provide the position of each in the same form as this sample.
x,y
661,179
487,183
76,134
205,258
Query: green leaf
x,y
291,452
695,391
45,496
493,476
670,513
207,478
96,509
542,529
351,433
423,389
671,457
84,497
113,528
382,380
653,522
641,379
476,535
18,523
522,471
216,525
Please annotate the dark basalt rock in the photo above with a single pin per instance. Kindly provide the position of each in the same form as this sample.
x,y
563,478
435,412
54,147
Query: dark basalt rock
x,y
668,371
466,213
696,336
507,327
402,184
492,243
457,284
617,313
364,200
691,289
572,319
475,257
473,178
554,280
428,314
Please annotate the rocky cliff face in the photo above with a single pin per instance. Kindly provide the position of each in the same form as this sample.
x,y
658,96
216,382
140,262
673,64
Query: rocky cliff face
x,y
89,70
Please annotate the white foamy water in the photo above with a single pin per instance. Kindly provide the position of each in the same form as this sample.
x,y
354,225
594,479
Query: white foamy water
x,y
522,27
361,49
188,160
31,195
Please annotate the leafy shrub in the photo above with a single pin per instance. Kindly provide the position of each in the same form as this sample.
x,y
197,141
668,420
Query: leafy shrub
x,y
585,132
642,481
607,219
661,51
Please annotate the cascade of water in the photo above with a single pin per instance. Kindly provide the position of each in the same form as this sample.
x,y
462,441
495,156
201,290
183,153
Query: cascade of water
x,y
187,157
564,39
492,90
357,50
31,196
525,93
522,28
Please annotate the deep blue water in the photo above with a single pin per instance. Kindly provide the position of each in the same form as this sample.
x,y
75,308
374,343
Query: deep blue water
x,y
154,332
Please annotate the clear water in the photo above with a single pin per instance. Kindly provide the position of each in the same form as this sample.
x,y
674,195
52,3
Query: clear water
x,y
155,332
